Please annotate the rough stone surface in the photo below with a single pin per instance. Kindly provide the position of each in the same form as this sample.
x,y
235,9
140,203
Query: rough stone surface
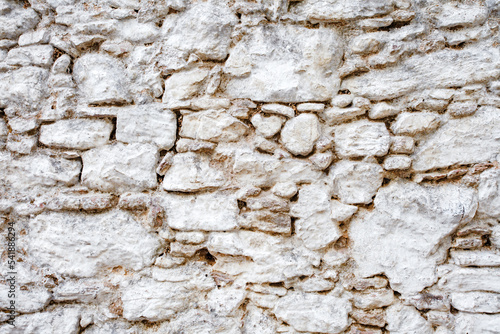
x,y
425,216
147,124
119,167
362,138
300,133
118,240
274,64
249,167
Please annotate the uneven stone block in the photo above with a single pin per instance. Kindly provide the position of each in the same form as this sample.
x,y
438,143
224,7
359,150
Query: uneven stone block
x,y
80,134
118,167
361,138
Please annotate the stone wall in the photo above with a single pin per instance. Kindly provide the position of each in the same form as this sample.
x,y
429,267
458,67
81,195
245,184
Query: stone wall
x,y
250,166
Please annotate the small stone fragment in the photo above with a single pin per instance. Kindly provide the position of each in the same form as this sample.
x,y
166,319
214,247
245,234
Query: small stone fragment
x,y
278,109
267,126
212,125
415,123
300,133
397,162
382,110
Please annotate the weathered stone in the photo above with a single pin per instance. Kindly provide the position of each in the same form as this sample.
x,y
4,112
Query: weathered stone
x,y
183,85
60,320
84,254
341,10
460,141
26,172
147,124
33,55
153,301
267,201
488,191
284,189
80,134
356,182
472,279
204,29
402,144
369,317
372,298
191,172
277,109
415,123
341,211
338,115
440,69
461,109
85,202
362,138
206,212
260,57
118,168
15,20
450,15
406,319
469,323
476,302
21,144
310,107
212,125
397,162
25,88
409,224
314,224
184,145
477,258
313,313
300,133
101,79
267,126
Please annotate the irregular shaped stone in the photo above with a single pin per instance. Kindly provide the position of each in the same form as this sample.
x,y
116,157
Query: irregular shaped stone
x,y
33,55
267,126
27,172
284,189
314,224
80,134
440,69
471,279
300,133
117,240
410,123
382,110
24,89
154,301
356,182
373,298
257,169
469,323
205,212
183,85
406,320
191,172
118,168
461,109
224,301
341,211
59,320
461,141
403,236
310,107
258,321
101,79
147,124
273,63
456,15
309,312
28,300
15,20
259,257
204,29
397,162
266,221
476,258
361,138
476,302
488,191
369,317
402,144
277,109
341,10
85,202
212,125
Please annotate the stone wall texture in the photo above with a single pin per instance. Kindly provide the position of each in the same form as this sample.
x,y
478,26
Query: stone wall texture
x,y
250,166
